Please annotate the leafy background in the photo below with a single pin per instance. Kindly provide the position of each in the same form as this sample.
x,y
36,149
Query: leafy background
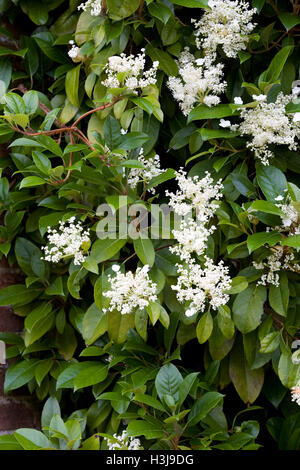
x,y
219,380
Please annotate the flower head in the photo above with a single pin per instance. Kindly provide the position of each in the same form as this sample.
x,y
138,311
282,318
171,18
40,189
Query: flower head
x,y
228,24
71,241
95,7
198,81
123,442
150,170
197,286
128,71
131,290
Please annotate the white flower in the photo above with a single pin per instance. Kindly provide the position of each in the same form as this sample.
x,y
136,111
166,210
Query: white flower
x,y
238,100
124,442
224,123
296,393
227,23
296,117
131,290
277,261
279,198
269,124
198,81
197,286
150,170
259,97
195,193
73,52
72,241
128,71
192,237
94,5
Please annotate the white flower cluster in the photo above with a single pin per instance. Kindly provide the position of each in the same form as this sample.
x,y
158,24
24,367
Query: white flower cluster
x,y
94,5
131,290
128,71
274,263
73,52
195,193
72,241
296,393
150,170
198,196
227,23
269,123
124,442
196,285
199,81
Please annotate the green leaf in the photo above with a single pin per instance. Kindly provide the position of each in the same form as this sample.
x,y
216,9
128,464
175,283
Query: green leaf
x,y
203,406
160,10
150,401
215,112
103,250
247,382
145,250
42,369
258,239
166,62
271,181
118,9
279,296
248,308
31,100
289,20
72,85
238,284
31,181
276,66
270,342
267,207
288,373
225,322
186,386
144,428
292,240
9,442
41,161
118,325
133,140
168,381
90,375
191,3
94,324
208,134
32,439
18,295
19,374
204,327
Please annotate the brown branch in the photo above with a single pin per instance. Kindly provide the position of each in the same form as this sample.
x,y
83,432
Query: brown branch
x,y
140,10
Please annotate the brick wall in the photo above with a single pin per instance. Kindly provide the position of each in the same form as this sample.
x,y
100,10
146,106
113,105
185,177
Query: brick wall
x,y
16,409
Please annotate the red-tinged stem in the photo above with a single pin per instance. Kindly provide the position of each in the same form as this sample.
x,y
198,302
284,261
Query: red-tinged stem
x,y
99,108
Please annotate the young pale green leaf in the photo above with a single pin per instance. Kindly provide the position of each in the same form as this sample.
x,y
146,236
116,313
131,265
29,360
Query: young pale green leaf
x,y
32,439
